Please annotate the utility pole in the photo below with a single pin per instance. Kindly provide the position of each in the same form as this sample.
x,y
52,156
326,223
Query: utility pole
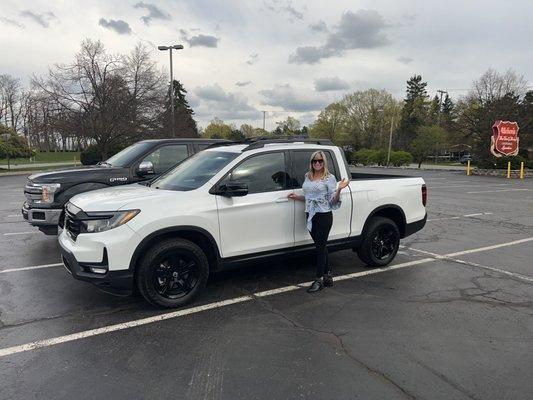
x,y
440,104
264,114
163,48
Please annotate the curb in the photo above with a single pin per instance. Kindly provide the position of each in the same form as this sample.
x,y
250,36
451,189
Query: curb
x,y
18,173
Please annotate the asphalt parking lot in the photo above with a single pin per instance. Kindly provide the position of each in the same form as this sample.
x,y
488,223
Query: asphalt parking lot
x,y
451,318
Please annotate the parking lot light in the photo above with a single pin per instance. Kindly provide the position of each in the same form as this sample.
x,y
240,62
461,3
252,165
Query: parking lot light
x,y
170,48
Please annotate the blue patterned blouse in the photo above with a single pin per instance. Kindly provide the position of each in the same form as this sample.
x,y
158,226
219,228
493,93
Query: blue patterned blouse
x,y
319,197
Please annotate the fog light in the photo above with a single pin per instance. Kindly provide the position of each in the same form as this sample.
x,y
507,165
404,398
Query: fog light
x,y
96,270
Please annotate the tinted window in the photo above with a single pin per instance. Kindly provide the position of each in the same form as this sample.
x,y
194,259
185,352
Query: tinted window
x,y
194,171
300,166
166,157
125,157
262,173
203,146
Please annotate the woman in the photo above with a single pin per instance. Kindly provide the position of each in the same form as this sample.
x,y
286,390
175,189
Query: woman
x,y
321,196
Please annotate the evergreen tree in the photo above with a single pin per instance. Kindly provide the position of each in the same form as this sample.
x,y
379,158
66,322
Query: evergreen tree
x,y
414,112
184,123
434,111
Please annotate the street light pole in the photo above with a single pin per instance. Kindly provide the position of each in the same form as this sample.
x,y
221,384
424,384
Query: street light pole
x,y
170,48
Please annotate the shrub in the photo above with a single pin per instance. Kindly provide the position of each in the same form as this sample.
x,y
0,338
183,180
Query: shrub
x,y
399,158
501,162
91,155
16,146
365,156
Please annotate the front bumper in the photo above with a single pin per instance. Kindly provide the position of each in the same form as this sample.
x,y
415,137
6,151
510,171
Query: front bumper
x,y
108,251
114,282
41,216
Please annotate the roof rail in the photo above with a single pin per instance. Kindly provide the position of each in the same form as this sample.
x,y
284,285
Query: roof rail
x,y
261,142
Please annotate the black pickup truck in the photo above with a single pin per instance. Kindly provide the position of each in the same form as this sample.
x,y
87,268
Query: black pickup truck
x,y
48,192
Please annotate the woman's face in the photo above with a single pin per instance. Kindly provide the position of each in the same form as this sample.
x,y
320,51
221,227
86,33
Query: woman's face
x,y
318,163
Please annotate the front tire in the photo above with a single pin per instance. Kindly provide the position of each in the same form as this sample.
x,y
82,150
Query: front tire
x,y
172,273
380,243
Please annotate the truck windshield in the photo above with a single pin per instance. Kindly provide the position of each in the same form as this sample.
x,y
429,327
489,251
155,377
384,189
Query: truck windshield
x,y
195,171
125,157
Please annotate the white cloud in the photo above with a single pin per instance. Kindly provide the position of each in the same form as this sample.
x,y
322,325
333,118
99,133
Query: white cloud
x,y
215,101
291,99
330,84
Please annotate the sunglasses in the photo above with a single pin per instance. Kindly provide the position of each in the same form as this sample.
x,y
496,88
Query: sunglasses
x,y
318,161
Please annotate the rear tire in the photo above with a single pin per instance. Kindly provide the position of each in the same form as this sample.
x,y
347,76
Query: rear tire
x,y
381,240
172,273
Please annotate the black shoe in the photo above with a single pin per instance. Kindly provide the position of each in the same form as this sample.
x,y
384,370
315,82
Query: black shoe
x,y
317,286
328,280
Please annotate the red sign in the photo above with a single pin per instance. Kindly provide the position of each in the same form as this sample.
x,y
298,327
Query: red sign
x,y
504,140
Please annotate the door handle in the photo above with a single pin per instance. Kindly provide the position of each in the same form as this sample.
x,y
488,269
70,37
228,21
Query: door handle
x,y
282,200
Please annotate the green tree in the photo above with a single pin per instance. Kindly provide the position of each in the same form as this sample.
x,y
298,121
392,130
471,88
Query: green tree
x,y
434,111
184,123
13,145
288,127
217,129
428,139
330,123
414,111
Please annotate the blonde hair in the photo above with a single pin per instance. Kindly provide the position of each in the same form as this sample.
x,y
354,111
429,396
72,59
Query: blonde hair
x,y
311,170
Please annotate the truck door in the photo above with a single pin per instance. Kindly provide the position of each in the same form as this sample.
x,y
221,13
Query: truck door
x,y
341,216
263,220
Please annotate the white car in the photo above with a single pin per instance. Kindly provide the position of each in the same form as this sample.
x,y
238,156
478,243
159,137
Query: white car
x,y
223,207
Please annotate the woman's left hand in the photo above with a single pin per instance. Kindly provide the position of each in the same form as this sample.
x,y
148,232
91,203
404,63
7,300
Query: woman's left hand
x,y
342,184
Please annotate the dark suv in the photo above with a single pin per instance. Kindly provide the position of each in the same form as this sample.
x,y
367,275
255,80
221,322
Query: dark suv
x,y
48,192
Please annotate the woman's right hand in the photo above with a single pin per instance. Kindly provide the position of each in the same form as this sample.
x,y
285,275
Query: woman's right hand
x,y
292,196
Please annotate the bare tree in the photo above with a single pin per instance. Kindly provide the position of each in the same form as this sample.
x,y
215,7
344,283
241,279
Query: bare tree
x,y
109,99
10,101
493,86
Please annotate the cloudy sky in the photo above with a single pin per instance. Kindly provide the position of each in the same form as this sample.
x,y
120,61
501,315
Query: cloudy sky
x,y
288,57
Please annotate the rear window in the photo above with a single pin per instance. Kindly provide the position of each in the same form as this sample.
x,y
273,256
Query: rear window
x,y
300,165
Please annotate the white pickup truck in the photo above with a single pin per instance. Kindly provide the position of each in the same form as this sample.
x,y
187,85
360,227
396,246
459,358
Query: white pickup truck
x,y
223,207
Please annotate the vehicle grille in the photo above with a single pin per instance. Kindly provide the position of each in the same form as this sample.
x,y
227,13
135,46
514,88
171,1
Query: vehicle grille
x,y
32,192
72,225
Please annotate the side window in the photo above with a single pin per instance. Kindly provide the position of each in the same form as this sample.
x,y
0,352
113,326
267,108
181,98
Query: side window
x,y
300,166
166,157
262,173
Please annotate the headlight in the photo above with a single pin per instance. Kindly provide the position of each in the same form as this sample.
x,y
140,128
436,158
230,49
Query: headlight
x,y
103,221
48,190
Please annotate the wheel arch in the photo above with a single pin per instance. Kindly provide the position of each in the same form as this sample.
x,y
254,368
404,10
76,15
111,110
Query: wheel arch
x,y
197,235
391,211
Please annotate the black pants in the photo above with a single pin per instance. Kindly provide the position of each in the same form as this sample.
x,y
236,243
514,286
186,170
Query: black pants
x,y
321,225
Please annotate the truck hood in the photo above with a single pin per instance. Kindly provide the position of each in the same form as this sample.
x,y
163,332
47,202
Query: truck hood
x,y
134,196
77,175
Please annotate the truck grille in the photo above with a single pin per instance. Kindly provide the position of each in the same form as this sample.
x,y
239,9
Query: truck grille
x,y
72,225
32,192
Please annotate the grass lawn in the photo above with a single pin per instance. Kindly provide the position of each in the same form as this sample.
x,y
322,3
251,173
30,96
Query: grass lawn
x,y
46,157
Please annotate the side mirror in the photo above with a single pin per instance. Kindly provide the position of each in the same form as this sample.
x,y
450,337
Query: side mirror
x,y
145,168
231,189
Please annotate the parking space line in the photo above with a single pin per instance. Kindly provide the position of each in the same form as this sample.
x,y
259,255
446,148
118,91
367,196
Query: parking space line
x,y
188,311
473,264
193,310
459,216
14,215
19,233
495,191
496,246
5,271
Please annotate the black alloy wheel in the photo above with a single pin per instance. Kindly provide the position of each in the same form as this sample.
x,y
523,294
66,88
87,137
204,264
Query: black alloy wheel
x,y
383,242
380,242
172,273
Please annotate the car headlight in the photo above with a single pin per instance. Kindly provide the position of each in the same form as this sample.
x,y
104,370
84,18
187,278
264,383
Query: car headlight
x,y
103,221
48,191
